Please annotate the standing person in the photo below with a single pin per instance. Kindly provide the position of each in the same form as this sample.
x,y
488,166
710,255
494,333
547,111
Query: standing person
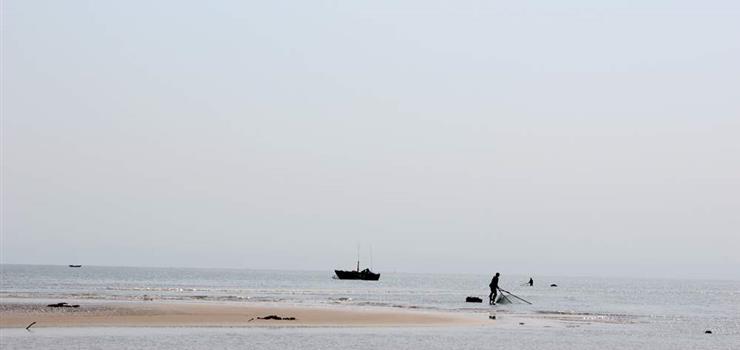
x,y
531,282
494,289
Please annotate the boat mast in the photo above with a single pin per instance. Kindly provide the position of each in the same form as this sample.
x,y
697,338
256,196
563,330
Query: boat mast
x,y
358,258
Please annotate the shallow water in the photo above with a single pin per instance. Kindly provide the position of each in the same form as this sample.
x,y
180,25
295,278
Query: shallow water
x,y
611,337
588,312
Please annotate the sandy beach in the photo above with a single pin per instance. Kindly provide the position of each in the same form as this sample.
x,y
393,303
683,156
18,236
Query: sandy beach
x,y
15,314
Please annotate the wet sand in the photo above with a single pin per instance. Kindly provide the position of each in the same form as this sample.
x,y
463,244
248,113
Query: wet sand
x,y
19,314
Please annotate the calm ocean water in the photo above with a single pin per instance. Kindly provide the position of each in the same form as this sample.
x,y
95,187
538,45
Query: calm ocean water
x,y
611,313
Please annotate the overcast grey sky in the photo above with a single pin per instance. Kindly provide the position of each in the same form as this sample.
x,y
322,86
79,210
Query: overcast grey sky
x,y
541,137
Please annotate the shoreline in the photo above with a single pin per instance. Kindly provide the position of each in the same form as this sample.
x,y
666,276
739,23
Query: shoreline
x,y
17,313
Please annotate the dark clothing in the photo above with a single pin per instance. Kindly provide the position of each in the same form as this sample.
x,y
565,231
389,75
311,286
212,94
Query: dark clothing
x,y
494,283
494,290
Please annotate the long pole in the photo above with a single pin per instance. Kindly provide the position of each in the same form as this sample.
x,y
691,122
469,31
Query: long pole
x,y
504,290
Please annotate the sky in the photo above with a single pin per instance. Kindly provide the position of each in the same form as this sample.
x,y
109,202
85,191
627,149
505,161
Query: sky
x,y
564,138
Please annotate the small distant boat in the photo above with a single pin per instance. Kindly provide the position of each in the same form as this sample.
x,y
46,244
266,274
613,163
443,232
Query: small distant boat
x,y
75,265
365,275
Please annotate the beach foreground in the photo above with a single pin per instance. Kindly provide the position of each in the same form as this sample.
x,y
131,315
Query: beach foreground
x,y
152,314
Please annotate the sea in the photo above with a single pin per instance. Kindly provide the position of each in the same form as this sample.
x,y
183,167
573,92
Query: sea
x,y
582,312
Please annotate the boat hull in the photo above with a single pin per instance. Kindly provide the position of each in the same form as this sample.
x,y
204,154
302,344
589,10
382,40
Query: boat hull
x,y
357,275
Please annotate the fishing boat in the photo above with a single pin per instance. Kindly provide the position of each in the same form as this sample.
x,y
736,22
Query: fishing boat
x,y
365,275
75,265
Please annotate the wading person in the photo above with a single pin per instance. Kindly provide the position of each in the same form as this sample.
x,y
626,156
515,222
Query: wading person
x,y
494,289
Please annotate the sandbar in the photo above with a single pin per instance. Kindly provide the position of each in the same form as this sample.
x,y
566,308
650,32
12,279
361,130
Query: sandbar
x,y
19,314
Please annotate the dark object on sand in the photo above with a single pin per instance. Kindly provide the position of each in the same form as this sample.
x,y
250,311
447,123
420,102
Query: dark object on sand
x,y
62,305
75,265
707,332
276,317
29,326
553,285
473,300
